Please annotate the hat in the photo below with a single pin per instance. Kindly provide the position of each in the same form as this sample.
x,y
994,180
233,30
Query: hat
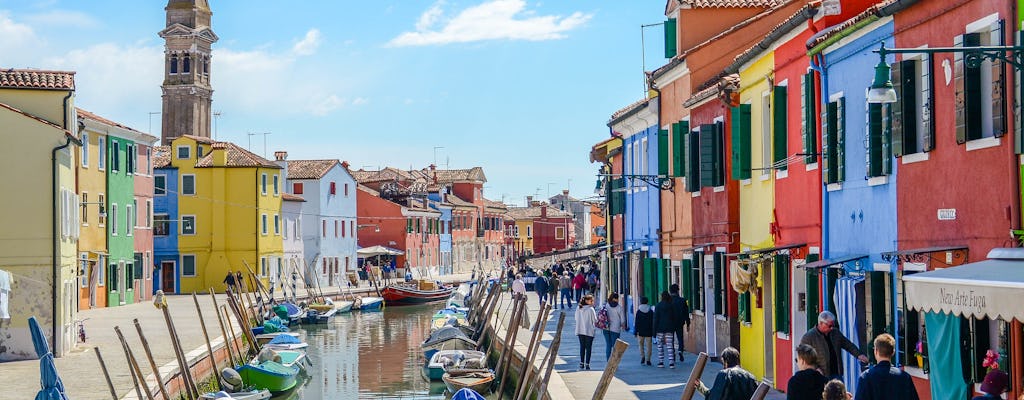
x,y
995,382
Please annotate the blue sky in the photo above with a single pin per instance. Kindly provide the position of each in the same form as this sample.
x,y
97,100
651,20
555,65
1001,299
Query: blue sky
x,y
521,88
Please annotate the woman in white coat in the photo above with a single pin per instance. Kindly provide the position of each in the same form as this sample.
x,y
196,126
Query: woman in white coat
x,y
585,319
616,323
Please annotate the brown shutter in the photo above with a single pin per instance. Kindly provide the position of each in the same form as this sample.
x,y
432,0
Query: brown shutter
x,y
958,85
927,109
998,83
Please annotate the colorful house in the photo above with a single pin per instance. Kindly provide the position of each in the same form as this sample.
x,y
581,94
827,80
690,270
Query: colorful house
x,y
611,184
165,222
39,130
92,192
546,226
437,202
229,207
291,235
143,179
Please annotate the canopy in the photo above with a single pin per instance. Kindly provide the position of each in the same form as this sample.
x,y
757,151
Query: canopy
x,y
52,387
378,251
982,289
833,262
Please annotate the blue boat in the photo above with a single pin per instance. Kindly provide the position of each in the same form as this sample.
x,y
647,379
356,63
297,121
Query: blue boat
x,y
467,394
369,304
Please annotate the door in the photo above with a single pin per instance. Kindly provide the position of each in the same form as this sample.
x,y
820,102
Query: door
x,y
167,274
710,318
121,281
798,306
93,276
767,297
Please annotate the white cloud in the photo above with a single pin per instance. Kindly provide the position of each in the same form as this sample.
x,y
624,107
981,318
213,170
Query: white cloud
x,y
360,101
308,44
63,18
492,20
325,105
18,41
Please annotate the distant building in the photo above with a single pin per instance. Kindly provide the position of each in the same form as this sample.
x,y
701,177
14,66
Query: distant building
x,y
547,227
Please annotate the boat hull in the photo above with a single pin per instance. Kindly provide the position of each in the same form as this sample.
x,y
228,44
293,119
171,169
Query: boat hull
x,y
455,343
435,369
370,304
478,384
405,295
269,375
248,395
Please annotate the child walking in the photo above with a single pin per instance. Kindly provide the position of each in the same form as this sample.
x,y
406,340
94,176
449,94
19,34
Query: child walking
x,y
665,328
644,323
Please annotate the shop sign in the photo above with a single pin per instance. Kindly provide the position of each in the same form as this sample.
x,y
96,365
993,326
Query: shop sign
x,y
947,214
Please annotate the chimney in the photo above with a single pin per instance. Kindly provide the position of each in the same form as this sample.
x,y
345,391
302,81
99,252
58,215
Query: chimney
x,y
345,164
544,210
280,155
565,193
529,201
281,159
220,154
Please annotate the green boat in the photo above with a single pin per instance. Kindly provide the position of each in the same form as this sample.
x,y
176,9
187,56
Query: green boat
x,y
269,375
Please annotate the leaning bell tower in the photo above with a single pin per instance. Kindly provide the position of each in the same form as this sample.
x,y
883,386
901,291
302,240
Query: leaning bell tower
x,y
187,94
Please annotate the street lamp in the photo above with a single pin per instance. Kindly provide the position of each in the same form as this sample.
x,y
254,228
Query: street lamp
x,y
881,91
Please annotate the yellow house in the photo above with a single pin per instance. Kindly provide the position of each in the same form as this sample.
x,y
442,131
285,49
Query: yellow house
x,y
92,192
38,130
229,210
757,193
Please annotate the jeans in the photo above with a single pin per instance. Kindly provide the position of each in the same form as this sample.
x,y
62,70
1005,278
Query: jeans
x,y
609,341
542,296
586,348
579,294
666,343
646,347
566,297
680,343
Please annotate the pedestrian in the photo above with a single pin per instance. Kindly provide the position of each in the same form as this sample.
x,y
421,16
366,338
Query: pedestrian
x,y
578,283
616,323
993,386
592,282
807,383
835,390
585,319
682,315
643,323
885,381
565,287
732,382
552,290
518,286
540,284
827,341
229,281
665,330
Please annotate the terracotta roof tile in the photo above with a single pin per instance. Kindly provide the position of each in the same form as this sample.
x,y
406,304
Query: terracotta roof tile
x,y
200,139
731,3
879,10
628,110
89,115
310,169
237,157
291,197
161,156
37,79
796,20
495,204
520,213
458,201
713,87
386,174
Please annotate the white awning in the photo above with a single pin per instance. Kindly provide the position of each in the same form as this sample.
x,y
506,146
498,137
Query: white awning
x,y
989,288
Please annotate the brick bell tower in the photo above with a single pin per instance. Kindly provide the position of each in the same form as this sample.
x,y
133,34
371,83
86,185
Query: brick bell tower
x,y
187,94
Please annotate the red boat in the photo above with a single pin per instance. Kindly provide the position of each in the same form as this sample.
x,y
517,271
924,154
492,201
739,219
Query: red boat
x,y
416,292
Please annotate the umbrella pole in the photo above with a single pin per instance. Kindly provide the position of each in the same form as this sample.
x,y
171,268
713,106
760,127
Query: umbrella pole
x,y
106,374
209,347
152,363
134,366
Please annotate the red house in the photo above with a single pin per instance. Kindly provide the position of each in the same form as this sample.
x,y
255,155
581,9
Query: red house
x,y
550,225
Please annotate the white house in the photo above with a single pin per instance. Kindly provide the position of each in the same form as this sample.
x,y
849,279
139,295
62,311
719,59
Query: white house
x,y
291,235
328,217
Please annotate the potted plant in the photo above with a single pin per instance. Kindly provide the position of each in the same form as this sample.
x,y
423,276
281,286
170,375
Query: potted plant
x,y
991,360
919,354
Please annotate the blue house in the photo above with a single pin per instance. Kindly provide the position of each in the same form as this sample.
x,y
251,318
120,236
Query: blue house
x,y
445,247
165,221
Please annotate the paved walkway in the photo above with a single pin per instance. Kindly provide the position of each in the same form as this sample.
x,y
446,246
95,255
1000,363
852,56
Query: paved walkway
x,y
631,381
80,370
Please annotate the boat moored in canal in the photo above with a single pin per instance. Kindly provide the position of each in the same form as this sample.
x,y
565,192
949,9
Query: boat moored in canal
x,y
447,338
416,292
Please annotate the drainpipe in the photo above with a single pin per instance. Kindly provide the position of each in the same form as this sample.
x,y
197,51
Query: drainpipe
x,y
54,186
819,65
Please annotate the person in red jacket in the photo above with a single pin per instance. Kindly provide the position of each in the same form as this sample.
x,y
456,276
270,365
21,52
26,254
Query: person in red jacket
x,y
578,283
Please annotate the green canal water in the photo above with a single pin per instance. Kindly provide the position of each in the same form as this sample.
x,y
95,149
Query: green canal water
x,y
371,355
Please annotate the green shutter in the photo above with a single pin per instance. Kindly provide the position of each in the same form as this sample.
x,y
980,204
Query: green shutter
x,y
618,196
781,264
744,305
697,301
898,83
741,142
958,89
694,175
670,38
662,152
779,128
828,144
874,148
679,130
812,293
928,114
841,138
686,286
707,155
718,289
995,38
809,128
408,225
719,157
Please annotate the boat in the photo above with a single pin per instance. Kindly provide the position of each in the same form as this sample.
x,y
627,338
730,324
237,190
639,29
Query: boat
x,y
436,365
446,338
467,394
269,375
343,306
291,357
460,296
320,317
286,342
267,337
478,380
368,303
416,292
246,395
448,317
290,313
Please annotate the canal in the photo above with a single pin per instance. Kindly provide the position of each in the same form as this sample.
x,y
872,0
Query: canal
x,y
369,355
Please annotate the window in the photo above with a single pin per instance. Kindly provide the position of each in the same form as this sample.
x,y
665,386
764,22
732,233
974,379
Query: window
x,y
174,65
149,213
101,272
335,228
186,65
342,228
711,156
346,190
529,231
114,279
834,141
332,189
277,224
159,185
740,141
188,185
147,265
877,142
149,161
103,209
980,90
113,219
913,130
188,265
101,158
184,152
696,276
766,133
162,225
129,158
137,266
263,183
663,152
679,130
85,150
780,128
188,224
129,212
323,232
643,159
85,208
277,189
115,156
352,227
297,188
808,123
515,231
263,224
781,282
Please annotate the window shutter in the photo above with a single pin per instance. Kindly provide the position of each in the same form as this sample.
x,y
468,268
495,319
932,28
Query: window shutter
x,y
718,289
808,128
719,162
782,293
685,278
694,176
741,142
697,280
662,152
779,128
886,139
618,196
972,80
828,143
678,148
998,83
841,138
812,293
958,84
874,139
670,38
897,77
707,155
928,108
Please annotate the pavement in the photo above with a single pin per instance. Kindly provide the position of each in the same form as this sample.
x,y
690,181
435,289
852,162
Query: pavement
x,y
80,370
631,380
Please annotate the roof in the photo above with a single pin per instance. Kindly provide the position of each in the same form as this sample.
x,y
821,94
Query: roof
x,y
40,120
879,10
237,157
458,201
200,139
730,81
519,213
90,115
291,197
37,79
161,156
310,169
675,61
495,204
729,3
386,174
628,110
776,6
778,32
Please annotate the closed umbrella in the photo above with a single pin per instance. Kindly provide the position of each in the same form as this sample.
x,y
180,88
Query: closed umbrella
x,y
52,387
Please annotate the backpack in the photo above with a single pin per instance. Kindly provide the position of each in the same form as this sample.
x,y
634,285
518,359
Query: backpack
x,y
602,318
592,279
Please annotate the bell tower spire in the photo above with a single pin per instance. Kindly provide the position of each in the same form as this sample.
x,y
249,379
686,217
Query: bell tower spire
x,y
187,94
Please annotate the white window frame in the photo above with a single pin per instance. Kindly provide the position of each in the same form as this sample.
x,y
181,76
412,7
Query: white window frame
x,y
112,213
115,156
85,150
263,224
182,188
101,212
84,198
277,185
101,157
529,231
164,178
149,160
277,224
188,152
166,218
129,219
181,227
263,184
149,213
147,265
181,264
988,138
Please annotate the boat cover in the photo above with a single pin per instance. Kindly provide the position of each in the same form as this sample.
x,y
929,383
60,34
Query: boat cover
x,y
285,339
467,394
444,334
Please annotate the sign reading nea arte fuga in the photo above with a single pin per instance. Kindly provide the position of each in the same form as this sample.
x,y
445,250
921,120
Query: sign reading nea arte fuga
x,y
968,301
